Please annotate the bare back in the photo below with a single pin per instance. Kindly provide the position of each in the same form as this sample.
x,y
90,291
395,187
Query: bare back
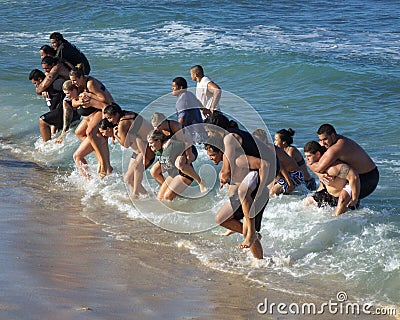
x,y
348,151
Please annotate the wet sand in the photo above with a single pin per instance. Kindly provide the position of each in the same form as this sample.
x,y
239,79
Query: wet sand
x,y
57,264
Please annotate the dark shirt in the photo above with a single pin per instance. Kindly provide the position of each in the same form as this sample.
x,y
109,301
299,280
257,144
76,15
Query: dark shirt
x,y
73,55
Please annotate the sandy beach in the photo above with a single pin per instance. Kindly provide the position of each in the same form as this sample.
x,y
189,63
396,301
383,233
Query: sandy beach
x,y
57,264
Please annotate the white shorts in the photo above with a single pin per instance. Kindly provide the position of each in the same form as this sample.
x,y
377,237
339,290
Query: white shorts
x,y
251,180
348,189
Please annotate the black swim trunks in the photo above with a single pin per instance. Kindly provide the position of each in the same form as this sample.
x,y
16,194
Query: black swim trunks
x,y
311,184
239,215
368,182
323,199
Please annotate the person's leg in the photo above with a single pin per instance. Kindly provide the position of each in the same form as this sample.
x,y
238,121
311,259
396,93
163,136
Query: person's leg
x,y
99,144
80,130
176,186
133,177
156,173
182,164
249,230
45,130
343,200
309,201
278,187
83,150
163,188
225,218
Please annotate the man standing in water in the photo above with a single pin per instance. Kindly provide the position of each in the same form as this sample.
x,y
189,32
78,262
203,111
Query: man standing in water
x,y
188,110
207,91
348,151
248,193
344,187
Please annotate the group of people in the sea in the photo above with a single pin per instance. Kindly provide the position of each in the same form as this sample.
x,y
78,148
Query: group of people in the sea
x,y
253,167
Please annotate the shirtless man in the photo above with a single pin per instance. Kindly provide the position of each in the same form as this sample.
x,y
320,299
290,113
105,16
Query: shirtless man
x,y
207,91
343,190
237,142
51,121
131,130
54,70
248,192
348,151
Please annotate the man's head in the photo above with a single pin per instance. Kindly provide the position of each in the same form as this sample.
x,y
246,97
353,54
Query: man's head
x,y
214,146
313,152
56,39
196,72
213,153
327,135
178,84
157,118
261,134
46,50
36,76
49,62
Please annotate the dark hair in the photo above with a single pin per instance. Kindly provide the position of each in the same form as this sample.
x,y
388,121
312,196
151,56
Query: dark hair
x,y
49,60
78,71
198,70
36,74
104,124
113,109
180,82
57,36
313,147
157,135
214,143
286,135
220,120
326,129
48,50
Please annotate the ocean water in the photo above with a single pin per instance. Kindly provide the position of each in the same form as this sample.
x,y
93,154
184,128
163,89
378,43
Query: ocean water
x,y
288,63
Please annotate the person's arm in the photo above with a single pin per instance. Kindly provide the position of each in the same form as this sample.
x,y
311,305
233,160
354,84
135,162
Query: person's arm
x,y
97,92
178,133
182,116
216,92
354,182
67,118
225,173
121,132
230,146
263,173
327,159
48,80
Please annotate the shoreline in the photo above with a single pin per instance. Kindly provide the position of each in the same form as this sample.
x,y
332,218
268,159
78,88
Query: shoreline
x,y
56,263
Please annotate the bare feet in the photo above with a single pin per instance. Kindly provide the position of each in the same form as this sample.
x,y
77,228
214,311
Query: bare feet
x,y
227,233
203,187
248,242
230,232
103,172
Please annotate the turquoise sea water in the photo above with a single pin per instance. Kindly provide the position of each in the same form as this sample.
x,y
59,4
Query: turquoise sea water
x,y
297,64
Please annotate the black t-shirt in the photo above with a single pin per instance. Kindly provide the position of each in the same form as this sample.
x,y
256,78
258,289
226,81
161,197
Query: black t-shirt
x,y
73,55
